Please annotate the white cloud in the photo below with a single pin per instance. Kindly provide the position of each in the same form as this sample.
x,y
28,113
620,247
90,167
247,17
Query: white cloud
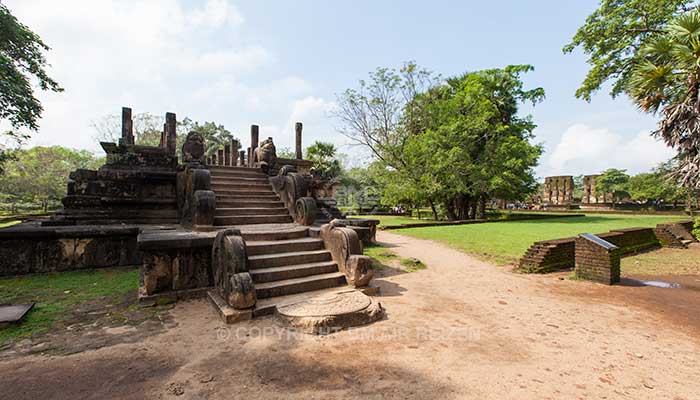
x,y
154,56
586,150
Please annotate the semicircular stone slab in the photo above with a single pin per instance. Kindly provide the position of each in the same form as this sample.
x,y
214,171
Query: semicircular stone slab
x,y
330,313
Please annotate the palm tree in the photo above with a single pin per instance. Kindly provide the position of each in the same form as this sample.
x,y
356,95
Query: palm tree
x,y
667,81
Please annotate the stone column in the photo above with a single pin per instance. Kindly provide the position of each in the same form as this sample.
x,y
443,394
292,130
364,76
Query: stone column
x,y
127,127
254,140
241,161
213,159
297,129
234,152
227,154
170,133
220,156
249,159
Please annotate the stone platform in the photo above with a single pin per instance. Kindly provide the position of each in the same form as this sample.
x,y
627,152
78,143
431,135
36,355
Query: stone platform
x,y
328,313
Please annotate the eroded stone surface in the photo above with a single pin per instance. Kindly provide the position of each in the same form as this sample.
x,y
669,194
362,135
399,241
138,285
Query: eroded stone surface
x,y
330,313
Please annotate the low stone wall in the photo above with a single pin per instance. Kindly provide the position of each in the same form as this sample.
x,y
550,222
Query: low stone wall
x,y
30,249
175,263
559,254
597,259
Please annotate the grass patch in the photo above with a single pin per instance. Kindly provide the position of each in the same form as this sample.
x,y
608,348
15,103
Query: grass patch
x,y
412,264
505,242
5,224
665,261
385,258
391,220
56,294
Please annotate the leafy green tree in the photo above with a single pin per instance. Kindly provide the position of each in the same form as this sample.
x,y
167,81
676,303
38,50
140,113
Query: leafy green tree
x,y
666,80
39,175
326,164
471,142
612,181
613,35
21,59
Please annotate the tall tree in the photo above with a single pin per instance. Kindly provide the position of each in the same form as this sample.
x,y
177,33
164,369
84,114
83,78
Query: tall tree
x,y
613,35
38,175
612,181
326,165
21,60
666,80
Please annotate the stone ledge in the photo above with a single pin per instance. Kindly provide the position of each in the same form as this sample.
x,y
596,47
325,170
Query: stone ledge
x,y
36,232
175,240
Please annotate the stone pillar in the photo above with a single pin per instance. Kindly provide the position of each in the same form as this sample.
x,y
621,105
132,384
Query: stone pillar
x,y
234,152
241,161
213,159
227,154
127,127
170,133
249,159
297,129
220,156
254,139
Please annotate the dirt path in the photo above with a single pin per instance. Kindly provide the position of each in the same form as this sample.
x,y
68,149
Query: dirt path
x,y
460,329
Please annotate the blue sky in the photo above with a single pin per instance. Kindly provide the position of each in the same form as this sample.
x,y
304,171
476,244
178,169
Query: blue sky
x,y
275,62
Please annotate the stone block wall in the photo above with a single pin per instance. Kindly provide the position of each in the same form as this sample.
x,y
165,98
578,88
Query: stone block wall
x,y
632,240
597,259
30,249
175,263
558,190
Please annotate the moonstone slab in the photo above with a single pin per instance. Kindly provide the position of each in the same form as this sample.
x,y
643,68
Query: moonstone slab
x,y
330,313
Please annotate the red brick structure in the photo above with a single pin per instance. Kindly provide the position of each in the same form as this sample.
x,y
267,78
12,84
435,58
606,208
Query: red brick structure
x,y
597,259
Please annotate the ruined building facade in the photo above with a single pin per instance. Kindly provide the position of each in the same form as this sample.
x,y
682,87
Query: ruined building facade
x,y
558,190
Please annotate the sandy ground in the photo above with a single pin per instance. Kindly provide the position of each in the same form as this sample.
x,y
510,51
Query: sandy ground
x,y
460,329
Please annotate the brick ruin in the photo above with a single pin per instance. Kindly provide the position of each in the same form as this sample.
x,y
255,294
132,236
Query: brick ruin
x,y
558,190
590,195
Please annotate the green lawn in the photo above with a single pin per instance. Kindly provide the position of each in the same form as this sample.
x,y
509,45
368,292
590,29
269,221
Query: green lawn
x,y
392,220
5,224
505,242
56,294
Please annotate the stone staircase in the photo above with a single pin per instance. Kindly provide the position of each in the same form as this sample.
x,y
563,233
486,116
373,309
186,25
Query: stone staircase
x,y
283,260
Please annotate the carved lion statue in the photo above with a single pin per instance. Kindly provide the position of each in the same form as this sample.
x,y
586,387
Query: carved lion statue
x,y
193,149
265,155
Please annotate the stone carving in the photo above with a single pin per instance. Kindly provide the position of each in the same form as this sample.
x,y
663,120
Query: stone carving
x,y
193,149
229,264
265,156
346,249
305,211
290,186
196,201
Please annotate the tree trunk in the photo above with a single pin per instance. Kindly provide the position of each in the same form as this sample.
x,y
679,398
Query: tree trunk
x,y
450,209
461,205
432,207
481,207
472,207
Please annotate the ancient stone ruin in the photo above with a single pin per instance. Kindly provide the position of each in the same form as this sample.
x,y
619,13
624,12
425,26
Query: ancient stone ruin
x,y
558,190
249,230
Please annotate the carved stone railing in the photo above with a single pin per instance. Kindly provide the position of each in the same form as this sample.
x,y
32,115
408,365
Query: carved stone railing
x,y
293,190
195,199
346,249
230,269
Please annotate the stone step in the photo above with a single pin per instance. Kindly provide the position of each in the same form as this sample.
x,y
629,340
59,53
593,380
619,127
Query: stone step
x,y
267,306
269,232
254,198
284,272
252,219
238,179
246,191
299,285
236,211
237,171
241,186
291,258
260,247
247,202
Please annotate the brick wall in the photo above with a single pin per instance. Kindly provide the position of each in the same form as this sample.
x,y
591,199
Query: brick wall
x,y
597,260
559,254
